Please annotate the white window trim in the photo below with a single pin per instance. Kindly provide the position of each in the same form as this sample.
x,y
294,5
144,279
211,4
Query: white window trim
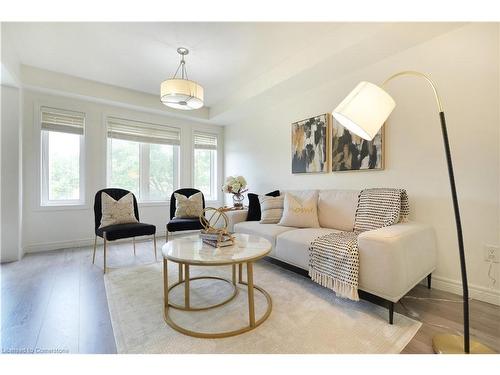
x,y
213,164
143,183
43,203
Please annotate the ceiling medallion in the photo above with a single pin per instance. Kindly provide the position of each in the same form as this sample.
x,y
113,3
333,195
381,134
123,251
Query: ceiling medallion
x,y
180,92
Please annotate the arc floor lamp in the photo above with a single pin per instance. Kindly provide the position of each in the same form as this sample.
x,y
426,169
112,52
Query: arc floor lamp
x,y
363,112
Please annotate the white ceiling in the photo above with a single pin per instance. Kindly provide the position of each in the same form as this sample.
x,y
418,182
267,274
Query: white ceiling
x,y
231,60
140,55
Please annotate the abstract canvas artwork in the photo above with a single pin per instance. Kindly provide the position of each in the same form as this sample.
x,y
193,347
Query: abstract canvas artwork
x,y
351,152
310,145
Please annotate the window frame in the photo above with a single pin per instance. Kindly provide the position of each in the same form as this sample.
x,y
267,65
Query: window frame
x,y
43,178
214,163
144,164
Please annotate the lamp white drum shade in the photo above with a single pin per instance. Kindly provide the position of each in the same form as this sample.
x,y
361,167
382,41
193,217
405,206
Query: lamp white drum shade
x,y
181,94
365,110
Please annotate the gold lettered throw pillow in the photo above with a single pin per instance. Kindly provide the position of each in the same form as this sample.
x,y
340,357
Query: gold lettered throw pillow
x,y
188,207
300,212
117,212
271,209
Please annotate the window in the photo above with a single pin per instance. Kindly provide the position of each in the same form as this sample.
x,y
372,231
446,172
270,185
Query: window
x,y
143,158
205,164
62,134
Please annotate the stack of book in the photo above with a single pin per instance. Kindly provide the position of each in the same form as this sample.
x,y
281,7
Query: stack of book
x,y
216,239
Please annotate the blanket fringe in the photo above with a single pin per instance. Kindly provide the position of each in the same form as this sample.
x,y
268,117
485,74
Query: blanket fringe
x,y
342,289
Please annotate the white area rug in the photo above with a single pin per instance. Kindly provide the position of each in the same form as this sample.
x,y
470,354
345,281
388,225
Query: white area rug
x,y
306,318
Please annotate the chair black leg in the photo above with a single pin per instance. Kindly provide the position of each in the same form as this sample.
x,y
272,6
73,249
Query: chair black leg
x,y
391,312
429,280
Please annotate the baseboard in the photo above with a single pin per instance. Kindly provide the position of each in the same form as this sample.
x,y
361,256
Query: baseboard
x,y
476,292
57,245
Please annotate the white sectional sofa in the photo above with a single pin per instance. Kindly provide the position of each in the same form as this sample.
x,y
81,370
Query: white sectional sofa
x,y
392,259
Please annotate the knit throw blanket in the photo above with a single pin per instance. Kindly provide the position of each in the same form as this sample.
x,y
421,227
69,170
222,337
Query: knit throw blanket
x,y
334,258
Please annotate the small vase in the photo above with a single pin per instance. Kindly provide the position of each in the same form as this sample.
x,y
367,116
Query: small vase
x,y
238,200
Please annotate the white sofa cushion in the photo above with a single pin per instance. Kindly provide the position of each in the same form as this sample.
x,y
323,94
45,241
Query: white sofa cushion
x,y
300,213
337,208
268,231
293,246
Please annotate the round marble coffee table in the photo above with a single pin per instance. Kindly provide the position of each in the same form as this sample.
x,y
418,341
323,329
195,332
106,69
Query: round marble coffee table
x,y
190,250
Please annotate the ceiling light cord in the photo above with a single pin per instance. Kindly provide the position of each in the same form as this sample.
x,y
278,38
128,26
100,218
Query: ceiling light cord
x,y
184,71
182,67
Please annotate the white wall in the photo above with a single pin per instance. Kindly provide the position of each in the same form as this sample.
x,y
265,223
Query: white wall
x,y
10,196
465,65
46,228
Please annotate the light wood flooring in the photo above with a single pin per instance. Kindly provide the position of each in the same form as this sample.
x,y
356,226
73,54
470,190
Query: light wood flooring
x,y
56,300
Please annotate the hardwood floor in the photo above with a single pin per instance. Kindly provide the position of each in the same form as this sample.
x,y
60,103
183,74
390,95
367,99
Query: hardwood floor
x,y
56,301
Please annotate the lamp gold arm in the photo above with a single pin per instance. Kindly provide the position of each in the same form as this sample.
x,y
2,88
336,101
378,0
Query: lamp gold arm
x,y
417,74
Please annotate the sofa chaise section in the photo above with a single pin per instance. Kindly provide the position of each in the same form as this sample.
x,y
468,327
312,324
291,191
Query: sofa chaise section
x,y
392,259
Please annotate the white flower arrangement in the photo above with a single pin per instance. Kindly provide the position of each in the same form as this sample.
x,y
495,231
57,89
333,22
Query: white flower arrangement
x,y
235,185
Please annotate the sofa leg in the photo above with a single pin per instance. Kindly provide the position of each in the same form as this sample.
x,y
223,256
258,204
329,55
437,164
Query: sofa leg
x,y
429,280
391,312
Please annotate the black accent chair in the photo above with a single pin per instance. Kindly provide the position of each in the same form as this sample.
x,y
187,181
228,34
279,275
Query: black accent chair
x,y
177,224
117,231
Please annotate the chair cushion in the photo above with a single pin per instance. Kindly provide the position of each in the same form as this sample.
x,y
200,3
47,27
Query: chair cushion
x,y
180,224
117,231
254,205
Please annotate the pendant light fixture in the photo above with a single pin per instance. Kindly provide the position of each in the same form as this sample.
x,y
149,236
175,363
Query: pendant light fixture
x,y
180,92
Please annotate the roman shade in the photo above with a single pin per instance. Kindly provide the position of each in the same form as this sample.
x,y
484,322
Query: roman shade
x,y
139,131
205,141
59,120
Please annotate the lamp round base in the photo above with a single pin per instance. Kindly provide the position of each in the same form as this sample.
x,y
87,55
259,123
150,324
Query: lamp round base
x,y
454,344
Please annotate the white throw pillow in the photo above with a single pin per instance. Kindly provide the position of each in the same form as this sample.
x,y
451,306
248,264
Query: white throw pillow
x,y
117,212
271,209
300,212
188,207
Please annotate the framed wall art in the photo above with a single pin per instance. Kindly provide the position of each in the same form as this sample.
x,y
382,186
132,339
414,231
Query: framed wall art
x,y
352,153
311,145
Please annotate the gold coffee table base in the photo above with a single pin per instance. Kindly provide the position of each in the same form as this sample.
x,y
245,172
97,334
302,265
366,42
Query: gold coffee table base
x,y
189,308
251,306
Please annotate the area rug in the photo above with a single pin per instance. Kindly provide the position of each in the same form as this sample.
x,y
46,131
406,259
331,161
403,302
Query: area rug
x,y
305,318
